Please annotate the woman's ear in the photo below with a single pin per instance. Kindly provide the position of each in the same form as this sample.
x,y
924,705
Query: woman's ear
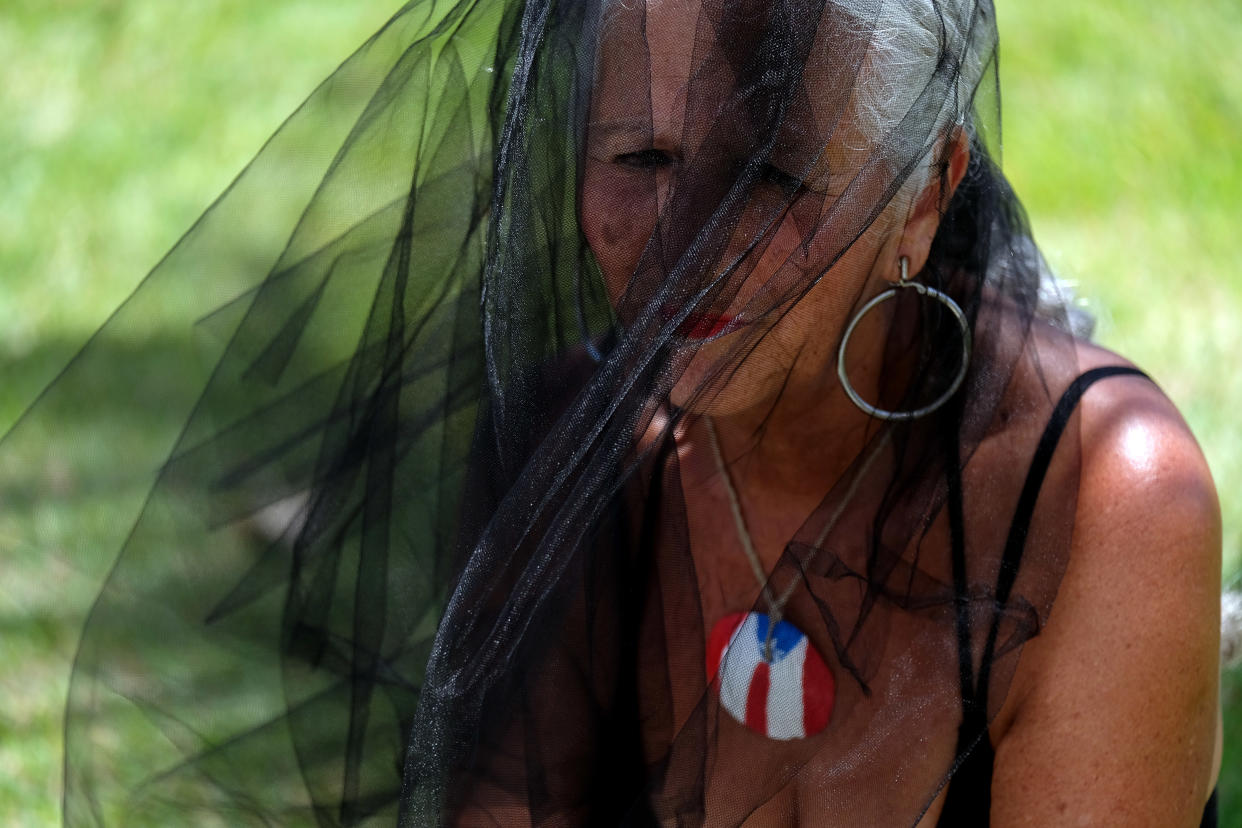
x,y
916,238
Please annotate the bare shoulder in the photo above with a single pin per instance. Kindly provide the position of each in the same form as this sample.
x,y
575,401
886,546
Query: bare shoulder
x,y
1113,718
1140,461
1146,494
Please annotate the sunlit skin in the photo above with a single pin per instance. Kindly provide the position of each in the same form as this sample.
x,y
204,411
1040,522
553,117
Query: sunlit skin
x,y
1111,718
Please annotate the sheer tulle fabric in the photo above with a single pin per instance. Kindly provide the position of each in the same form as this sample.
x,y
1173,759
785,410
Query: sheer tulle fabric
x,y
421,549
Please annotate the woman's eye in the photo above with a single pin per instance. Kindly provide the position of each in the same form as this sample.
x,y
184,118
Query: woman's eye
x,y
648,159
772,175
775,175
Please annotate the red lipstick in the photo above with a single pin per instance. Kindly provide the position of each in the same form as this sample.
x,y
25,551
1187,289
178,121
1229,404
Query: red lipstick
x,y
698,325
703,325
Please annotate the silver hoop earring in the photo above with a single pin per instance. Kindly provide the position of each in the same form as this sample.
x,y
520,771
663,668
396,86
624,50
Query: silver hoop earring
x,y
923,290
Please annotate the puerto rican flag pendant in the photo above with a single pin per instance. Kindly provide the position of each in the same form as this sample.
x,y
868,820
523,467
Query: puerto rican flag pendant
x,y
787,697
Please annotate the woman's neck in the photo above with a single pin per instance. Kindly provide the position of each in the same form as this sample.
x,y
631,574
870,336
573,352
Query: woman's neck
x,y
793,447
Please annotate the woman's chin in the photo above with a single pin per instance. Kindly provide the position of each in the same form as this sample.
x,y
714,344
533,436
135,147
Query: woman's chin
x,y
702,391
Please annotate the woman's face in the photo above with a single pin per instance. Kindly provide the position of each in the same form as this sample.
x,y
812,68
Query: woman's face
x,y
670,134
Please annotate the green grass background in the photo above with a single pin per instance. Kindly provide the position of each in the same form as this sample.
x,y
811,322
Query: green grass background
x,y
120,120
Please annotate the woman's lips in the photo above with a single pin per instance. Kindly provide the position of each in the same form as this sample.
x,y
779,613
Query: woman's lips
x,y
704,326
699,325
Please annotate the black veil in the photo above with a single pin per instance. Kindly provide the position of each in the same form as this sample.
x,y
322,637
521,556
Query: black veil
x,y
423,547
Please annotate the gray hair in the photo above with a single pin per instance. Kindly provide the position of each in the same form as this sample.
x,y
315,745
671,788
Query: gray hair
x,y
916,47
912,40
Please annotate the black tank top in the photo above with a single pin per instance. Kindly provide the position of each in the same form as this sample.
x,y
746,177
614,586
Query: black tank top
x,y
969,800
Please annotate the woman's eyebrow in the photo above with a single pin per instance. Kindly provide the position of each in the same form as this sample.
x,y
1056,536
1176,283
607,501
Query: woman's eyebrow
x,y
612,127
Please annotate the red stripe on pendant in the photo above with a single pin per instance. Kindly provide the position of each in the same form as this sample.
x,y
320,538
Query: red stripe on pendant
x,y
757,699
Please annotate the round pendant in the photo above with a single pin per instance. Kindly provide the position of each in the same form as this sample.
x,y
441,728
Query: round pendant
x,y
788,696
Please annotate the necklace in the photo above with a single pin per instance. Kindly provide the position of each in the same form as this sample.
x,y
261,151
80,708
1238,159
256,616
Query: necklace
x,y
769,676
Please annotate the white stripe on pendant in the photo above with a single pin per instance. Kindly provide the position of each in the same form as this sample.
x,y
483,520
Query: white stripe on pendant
x,y
737,667
785,695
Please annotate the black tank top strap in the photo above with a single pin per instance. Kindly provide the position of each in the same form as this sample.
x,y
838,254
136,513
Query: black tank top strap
x,y
1048,441
1015,544
969,798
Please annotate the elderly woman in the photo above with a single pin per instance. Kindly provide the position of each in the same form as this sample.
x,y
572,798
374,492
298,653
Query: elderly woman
x,y
666,418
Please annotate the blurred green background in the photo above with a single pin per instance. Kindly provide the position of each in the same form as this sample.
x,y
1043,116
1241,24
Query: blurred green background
x,y
120,120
